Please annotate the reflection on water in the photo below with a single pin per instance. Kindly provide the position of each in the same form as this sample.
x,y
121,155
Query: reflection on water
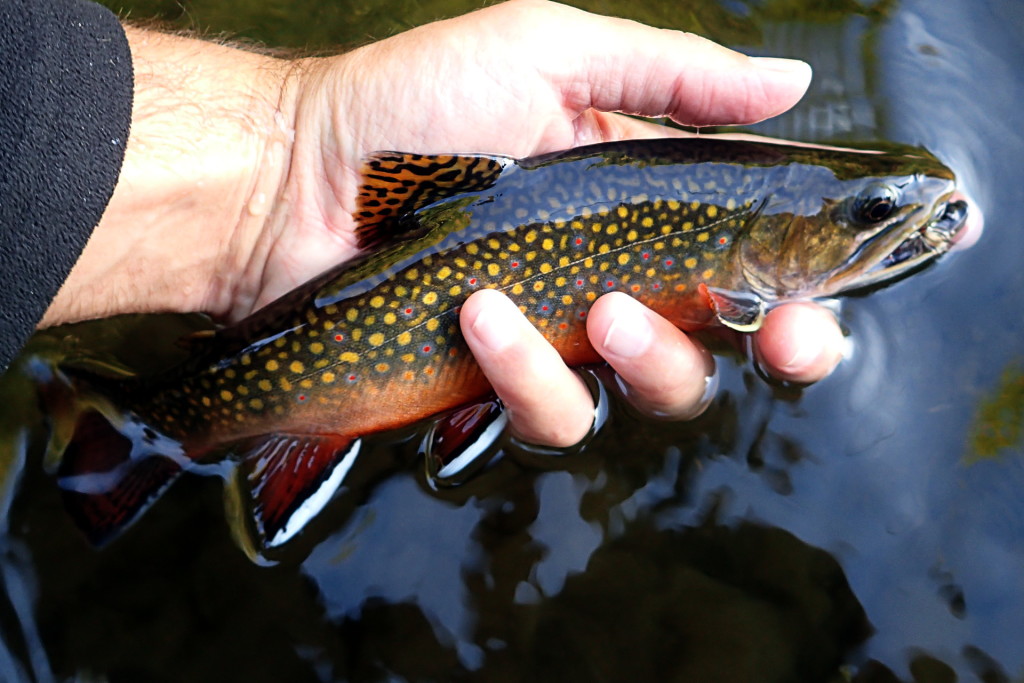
x,y
869,528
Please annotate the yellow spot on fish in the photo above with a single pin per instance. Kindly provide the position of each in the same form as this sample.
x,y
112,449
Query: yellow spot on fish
x,y
272,366
265,385
316,347
622,211
432,324
455,291
708,273
530,236
430,298
702,237
349,357
382,367
712,211
547,243
328,378
493,269
408,357
331,309
351,315
377,301
306,384
444,272
376,339
297,367
229,373
690,262
284,384
412,274
538,286
400,291
517,288
256,404
623,259
603,249
404,338
389,318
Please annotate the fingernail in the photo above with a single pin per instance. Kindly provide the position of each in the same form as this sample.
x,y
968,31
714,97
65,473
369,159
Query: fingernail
x,y
782,65
497,325
629,335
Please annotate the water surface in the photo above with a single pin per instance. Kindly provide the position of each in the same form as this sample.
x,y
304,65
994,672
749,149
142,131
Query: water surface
x,y
869,527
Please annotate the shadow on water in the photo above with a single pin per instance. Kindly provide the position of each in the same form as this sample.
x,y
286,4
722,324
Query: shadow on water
x,y
869,528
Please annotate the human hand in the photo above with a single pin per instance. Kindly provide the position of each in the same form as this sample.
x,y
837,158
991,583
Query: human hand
x,y
525,78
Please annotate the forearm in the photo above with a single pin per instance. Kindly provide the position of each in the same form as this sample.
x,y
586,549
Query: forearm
x,y
206,156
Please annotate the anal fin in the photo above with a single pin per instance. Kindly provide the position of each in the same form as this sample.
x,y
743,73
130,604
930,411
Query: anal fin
x,y
291,477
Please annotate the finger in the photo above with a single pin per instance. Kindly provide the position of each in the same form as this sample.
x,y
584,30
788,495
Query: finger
x,y
799,342
547,404
619,65
665,372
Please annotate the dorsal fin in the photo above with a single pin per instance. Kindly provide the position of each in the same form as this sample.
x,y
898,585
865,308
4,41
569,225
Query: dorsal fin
x,y
395,184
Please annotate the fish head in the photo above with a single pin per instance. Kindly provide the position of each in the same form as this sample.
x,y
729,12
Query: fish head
x,y
838,221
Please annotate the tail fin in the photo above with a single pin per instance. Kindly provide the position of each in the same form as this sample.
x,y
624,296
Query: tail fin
x,y
111,475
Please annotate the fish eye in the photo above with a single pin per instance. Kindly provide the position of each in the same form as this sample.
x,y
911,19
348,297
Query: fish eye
x,y
875,203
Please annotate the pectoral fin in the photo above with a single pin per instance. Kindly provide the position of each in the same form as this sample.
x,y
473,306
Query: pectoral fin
x,y
740,311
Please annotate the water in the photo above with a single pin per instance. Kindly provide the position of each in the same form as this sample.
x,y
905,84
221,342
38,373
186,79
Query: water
x,y
857,528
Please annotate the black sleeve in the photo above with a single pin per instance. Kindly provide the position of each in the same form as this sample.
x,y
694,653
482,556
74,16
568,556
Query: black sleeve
x,y
65,108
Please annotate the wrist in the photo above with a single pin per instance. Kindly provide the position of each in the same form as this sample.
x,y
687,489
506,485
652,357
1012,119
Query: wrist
x,y
208,140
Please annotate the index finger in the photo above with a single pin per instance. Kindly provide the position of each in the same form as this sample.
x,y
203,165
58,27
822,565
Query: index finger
x,y
614,64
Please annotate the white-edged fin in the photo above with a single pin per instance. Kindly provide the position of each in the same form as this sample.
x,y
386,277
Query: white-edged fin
x,y
316,502
741,311
462,442
291,477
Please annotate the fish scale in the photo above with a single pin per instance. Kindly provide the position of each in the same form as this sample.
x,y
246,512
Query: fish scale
x,y
702,232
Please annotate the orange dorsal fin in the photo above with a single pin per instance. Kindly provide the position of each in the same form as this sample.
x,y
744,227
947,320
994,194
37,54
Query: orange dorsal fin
x,y
289,478
395,184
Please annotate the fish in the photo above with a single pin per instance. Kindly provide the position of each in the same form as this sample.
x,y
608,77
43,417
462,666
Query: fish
x,y
706,232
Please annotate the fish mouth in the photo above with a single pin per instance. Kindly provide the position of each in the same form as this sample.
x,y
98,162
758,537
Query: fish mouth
x,y
933,239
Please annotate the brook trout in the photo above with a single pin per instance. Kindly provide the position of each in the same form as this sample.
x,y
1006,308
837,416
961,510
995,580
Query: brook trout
x,y
705,232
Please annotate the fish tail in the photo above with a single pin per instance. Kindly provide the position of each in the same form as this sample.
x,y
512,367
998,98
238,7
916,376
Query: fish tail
x,y
110,474
114,465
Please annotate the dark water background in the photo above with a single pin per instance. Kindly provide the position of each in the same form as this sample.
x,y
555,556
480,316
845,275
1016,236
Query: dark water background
x,y
870,527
